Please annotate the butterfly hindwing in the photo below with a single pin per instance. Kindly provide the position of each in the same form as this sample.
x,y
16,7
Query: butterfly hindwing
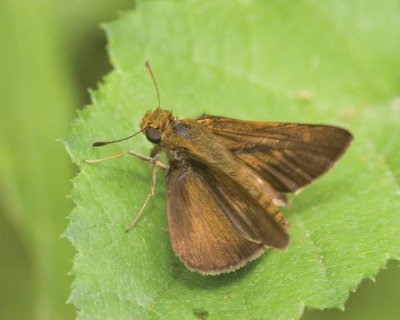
x,y
213,226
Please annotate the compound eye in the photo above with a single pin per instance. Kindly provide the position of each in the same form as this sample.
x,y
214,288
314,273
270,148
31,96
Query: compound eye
x,y
153,135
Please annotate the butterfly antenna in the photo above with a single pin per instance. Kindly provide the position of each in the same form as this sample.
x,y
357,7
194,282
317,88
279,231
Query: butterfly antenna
x,y
150,72
103,143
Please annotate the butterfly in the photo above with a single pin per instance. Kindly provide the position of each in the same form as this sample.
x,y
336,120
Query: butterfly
x,y
227,178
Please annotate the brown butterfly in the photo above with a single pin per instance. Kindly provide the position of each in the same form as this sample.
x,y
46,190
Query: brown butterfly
x,y
227,178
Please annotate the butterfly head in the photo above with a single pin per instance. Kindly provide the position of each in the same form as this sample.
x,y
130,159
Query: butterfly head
x,y
155,123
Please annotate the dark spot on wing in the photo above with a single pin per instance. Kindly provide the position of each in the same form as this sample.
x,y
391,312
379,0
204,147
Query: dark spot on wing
x,y
252,149
182,130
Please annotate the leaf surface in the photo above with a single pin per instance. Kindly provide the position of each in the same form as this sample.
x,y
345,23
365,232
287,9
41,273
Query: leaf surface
x,y
307,62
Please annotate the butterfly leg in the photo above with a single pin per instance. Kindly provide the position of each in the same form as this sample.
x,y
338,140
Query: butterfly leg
x,y
114,156
151,193
153,160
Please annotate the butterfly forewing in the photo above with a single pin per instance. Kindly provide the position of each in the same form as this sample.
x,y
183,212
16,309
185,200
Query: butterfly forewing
x,y
289,156
213,226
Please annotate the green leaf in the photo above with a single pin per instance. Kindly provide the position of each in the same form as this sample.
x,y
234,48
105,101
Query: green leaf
x,y
249,60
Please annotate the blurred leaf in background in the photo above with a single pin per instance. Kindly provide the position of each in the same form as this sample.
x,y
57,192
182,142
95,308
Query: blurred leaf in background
x,y
42,55
335,62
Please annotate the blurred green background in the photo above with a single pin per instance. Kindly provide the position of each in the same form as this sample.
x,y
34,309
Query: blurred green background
x,y
51,52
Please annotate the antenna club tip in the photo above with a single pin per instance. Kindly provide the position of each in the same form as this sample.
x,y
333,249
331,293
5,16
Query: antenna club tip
x,y
148,68
98,144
